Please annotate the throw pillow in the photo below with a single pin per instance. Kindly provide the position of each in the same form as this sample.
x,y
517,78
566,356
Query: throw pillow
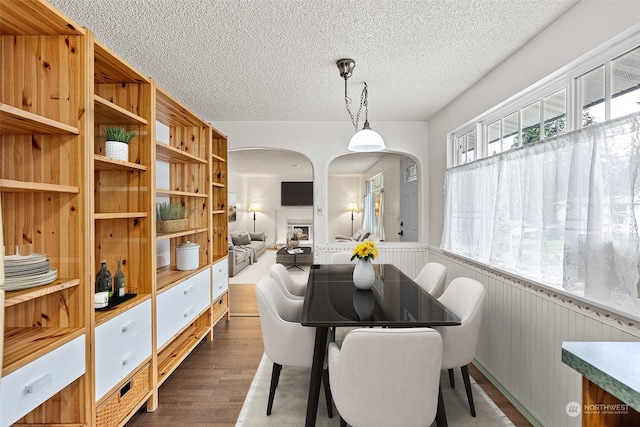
x,y
257,236
364,236
242,239
355,237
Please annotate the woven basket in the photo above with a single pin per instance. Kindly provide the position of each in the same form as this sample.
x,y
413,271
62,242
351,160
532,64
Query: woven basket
x,y
220,307
123,401
172,226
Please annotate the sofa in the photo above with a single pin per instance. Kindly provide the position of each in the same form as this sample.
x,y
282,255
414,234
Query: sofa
x,y
244,248
359,236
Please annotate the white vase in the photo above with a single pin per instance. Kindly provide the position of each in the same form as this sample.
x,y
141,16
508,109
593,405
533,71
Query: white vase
x,y
117,150
364,276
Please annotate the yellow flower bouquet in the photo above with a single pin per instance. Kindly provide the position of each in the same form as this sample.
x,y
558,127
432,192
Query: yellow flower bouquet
x,y
365,251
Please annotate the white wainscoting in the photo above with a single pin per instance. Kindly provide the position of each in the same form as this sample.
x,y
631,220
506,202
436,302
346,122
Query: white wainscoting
x,y
408,257
522,331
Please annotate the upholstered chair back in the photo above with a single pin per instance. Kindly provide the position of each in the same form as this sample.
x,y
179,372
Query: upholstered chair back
x,y
386,376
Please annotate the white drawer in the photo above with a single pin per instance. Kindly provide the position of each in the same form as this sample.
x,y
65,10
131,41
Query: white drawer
x,y
28,387
121,362
178,306
220,277
122,329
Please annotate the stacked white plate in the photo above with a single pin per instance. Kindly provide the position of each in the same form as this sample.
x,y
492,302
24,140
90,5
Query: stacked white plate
x,y
27,271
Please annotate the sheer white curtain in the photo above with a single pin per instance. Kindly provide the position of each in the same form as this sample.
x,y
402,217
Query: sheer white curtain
x,y
563,212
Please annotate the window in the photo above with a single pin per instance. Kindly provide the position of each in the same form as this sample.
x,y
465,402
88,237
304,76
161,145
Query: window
x,y
556,198
625,84
602,92
374,206
466,147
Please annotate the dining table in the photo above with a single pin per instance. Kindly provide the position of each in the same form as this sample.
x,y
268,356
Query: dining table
x,y
332,300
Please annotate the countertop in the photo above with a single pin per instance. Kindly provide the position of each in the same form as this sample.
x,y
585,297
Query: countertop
x,y
614,366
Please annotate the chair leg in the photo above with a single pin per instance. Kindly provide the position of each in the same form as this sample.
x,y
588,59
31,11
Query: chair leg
x,y
275,377
343,423
441,413
327,392
451,380
467,385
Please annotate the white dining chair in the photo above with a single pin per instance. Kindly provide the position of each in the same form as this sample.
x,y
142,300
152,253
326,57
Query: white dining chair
x,y
384,377
290,287
432,278
286,341
465,298
343,257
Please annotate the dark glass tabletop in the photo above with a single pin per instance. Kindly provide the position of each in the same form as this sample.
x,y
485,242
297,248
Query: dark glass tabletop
x,y
395,300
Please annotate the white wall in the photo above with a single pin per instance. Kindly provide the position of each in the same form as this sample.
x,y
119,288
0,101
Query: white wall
x,y
344,189
323,141
265,191
525,325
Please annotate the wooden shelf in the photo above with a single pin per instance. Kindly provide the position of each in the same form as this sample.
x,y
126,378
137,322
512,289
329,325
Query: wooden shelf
x,y
218,212
172,193
110,68
172,355
14,121
108,113
218,158
105,316
24,345
172,113
105,163
167,153
120,215
24,295
17,18
220,257
13,186
166,236
169,275
218,184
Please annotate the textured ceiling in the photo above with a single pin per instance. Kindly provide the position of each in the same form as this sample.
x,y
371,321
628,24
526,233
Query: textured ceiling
x,y
231,60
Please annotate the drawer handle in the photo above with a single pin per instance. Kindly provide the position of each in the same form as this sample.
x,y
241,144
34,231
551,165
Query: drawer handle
x,y
188,290
38,384
128,358
128,327
188,312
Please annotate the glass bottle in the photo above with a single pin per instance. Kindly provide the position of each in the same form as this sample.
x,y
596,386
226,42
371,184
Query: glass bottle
x,y
118,283
103,279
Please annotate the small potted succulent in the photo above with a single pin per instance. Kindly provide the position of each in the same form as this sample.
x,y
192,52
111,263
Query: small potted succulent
x,y
117,145
171,217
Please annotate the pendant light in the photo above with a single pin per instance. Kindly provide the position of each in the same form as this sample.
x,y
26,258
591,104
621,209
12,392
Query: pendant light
x,y
365,139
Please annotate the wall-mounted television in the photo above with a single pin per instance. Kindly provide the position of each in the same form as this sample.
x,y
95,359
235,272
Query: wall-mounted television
x,y
296,193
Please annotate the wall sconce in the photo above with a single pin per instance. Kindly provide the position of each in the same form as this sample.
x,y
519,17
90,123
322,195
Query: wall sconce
x,y
352,208
254,208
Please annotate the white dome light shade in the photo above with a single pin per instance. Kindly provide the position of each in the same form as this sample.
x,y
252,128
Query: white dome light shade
x,y
366,140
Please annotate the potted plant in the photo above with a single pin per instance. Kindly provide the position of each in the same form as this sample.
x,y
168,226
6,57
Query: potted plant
x,y
117,145
171,217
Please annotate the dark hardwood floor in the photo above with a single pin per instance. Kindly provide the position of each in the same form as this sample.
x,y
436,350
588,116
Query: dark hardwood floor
x,y
209,387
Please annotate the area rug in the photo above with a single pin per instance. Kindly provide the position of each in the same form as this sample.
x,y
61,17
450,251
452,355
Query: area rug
x,y
290,403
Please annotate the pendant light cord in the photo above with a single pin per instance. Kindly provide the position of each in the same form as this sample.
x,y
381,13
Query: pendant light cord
x,y
363,102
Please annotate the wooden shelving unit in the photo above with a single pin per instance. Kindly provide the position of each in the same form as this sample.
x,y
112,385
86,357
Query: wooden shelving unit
x,y
185,152
43,166
60,193
122,201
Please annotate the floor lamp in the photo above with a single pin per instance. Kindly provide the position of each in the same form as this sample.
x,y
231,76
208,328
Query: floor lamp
x,y
254,208
352,208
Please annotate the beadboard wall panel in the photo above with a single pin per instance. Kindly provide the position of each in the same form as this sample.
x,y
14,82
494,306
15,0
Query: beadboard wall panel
x,y
407,257
521,336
